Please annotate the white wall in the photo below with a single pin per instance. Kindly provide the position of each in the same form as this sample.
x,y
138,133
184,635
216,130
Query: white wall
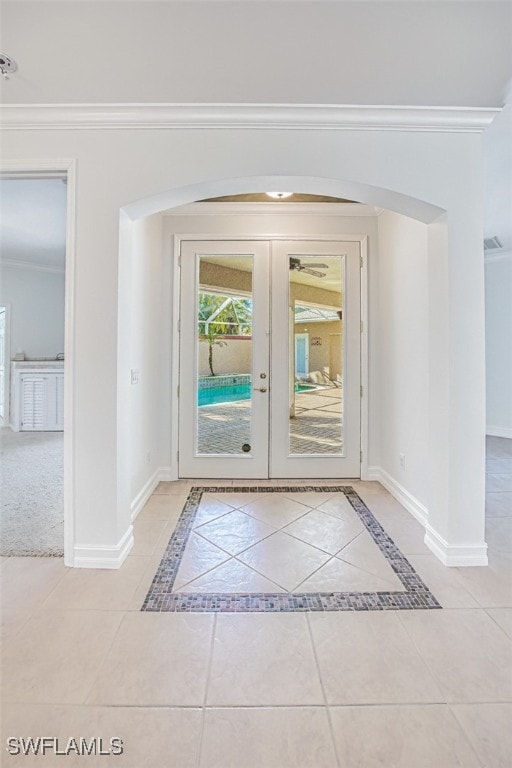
x,y
403,377
146,353
144,171
36,301
498,335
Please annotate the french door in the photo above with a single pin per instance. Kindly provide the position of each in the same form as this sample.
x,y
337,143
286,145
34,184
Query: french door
x,y
248,408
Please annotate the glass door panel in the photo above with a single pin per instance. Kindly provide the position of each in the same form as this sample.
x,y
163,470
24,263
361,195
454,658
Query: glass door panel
x,y
224,403
309,429
269,395
224,348
316,298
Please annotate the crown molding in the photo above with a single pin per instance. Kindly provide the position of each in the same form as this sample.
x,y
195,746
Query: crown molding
x,y
30,265
273,209
244,116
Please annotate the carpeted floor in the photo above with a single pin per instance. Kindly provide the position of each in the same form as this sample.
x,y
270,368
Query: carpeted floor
x,y
32,517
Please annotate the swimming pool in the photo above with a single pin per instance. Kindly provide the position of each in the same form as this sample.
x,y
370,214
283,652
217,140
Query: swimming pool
x,y
234,392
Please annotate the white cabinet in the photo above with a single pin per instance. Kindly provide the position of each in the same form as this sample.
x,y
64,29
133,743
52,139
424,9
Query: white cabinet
x,y
38,400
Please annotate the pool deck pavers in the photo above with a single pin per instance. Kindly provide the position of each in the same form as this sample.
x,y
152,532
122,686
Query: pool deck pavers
x,y
316,428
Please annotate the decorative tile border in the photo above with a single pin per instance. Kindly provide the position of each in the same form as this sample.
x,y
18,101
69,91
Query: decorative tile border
x,y
161,598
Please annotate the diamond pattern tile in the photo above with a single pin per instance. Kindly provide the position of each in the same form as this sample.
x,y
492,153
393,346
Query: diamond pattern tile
x,y
365,554
336,573
200,556
232,576
235,531
324,531
311,499
238,500
210,508
284,548
284,559
276,510
340,507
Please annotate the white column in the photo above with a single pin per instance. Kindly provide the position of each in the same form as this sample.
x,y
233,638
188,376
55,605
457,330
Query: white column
x,y
456,507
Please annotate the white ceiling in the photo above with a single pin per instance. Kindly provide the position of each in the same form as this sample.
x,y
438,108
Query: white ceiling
x,y
33,222
301,51
391,53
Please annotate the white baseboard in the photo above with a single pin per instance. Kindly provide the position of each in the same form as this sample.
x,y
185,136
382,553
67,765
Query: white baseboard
x,y
449,555
113,557
401,494
103,556
371,474
455,556
144,494
161,474
499,431
165,475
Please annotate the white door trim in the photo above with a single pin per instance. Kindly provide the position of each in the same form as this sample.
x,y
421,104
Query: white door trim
x,y
175,318
6,421
67,167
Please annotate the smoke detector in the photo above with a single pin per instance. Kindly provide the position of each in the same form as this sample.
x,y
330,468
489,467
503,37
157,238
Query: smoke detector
x,y
7,66
492,243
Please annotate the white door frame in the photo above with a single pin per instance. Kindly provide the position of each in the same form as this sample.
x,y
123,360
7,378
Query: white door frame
x,y
175,321
6,420
42,168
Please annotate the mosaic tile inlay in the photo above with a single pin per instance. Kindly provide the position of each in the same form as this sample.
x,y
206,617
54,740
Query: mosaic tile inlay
x,y
161,597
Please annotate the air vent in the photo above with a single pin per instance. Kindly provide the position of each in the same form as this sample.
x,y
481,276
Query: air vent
x,y
492,243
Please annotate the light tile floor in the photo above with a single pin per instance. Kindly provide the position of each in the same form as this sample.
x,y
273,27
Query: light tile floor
x,y
281,542
415,689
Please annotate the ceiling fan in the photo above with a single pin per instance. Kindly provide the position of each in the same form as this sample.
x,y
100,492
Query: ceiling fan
x,y
295,264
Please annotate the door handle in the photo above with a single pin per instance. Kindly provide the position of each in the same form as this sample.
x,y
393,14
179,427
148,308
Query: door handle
x,y
260,389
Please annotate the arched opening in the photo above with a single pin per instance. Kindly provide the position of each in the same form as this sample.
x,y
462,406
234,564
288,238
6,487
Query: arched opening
x,y
350,190
433,236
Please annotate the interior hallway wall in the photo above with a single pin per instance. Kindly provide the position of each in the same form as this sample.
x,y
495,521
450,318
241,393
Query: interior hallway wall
x,y
403,328
498,336
146,351
144,171
36,300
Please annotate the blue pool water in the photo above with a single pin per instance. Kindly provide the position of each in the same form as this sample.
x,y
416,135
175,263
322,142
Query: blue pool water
x,y
214,395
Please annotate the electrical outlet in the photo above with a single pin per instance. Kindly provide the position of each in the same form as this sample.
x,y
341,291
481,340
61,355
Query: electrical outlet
x,y
134,376
402,461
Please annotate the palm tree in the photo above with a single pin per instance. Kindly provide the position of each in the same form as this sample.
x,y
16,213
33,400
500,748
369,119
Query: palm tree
x,y
212,340
220,315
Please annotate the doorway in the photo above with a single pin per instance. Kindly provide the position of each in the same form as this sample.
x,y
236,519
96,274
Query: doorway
x,y
32,344
243,410
301,356
4,366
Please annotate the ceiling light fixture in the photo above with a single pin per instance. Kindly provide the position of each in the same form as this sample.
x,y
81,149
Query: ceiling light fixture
x,y
7,66
279,195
